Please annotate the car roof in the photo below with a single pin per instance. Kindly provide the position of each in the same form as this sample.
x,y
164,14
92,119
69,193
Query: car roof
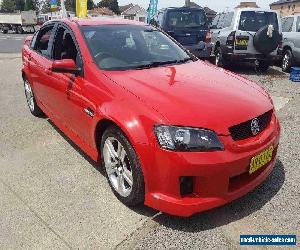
x,y
182,8
96,21
102,21
296,15
256,9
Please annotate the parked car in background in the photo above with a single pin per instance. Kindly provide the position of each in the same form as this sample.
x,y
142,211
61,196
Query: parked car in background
x,y
291,42
24,21
189,26
246,34
164,125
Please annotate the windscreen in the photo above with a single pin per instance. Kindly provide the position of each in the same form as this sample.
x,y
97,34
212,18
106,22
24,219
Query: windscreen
x,y
186,19
122,47
255,20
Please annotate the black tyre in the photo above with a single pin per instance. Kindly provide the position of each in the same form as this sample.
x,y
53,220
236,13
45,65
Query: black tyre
x,y
31,102
263,66
287,61
20,30
219,59
4,31
123,169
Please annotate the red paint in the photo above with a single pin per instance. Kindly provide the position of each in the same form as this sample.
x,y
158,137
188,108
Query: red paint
x,y
194,94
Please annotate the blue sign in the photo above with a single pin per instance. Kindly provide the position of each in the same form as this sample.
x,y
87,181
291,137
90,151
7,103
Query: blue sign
x,y
152,9
53,4
268,240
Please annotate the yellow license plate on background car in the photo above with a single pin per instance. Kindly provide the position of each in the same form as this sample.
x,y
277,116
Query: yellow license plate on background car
x,y
241,42
261,160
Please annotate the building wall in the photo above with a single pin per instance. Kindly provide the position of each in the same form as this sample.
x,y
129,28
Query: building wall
x,y
287,9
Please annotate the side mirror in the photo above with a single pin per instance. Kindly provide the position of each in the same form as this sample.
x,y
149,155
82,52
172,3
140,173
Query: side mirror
x,y
65,66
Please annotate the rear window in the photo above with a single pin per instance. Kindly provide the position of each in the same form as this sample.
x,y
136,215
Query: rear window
x,y
186,19
255,20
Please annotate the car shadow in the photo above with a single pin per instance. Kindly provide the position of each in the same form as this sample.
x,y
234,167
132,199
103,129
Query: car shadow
x,y
141,209
231,212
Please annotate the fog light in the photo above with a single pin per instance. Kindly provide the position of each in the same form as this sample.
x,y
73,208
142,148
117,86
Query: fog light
x,y
186,185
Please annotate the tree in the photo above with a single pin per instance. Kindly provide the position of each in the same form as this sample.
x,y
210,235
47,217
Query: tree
x,y
90,4
70,5
111,4
8,6
33,5
20,5
45,6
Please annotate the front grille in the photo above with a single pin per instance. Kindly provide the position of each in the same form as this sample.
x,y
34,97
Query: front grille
x,y
243,130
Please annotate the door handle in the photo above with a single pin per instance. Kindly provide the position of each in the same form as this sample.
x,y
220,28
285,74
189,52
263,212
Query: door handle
x,y
89,112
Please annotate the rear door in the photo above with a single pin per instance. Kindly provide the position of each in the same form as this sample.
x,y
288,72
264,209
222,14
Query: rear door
x,y
288,32
249,22
187,26
40,65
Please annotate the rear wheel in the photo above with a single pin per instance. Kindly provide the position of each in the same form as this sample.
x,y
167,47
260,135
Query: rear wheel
x,y
20,30
122,166
31,102
287,61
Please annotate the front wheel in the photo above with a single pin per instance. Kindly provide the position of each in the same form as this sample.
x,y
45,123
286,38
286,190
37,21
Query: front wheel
x,y
123,169
31,102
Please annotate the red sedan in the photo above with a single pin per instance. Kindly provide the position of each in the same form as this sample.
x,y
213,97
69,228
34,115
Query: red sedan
x,y
172,132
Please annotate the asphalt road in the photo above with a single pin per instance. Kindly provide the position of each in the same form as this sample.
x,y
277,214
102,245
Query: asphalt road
x,y
11,43
52,196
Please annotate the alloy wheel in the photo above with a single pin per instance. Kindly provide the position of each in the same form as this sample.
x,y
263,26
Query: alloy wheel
x,y
118,167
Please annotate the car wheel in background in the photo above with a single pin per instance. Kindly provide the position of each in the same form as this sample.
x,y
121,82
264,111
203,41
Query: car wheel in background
x,y
20,30
219,60
262,66
31,102
122,166
287,61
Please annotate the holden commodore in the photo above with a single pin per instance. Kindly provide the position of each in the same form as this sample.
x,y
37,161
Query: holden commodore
x,y
171,131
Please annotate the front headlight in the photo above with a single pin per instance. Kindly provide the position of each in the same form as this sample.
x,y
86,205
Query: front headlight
x,y
187,139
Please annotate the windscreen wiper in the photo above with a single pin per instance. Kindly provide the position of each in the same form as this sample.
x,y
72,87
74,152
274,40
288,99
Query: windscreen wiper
x,y
157,64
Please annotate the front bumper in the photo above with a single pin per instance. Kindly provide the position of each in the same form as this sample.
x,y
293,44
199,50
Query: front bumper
x,y
201,50
218,177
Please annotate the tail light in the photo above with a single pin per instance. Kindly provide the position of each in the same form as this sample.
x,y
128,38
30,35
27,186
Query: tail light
x,y
230,39
208,37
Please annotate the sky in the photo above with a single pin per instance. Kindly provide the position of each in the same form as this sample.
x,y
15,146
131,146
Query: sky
x,y
217,5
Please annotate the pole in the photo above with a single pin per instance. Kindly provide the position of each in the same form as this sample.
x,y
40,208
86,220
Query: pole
x,y
63,9
188,3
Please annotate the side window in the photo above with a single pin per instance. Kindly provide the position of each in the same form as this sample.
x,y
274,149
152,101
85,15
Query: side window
x,y
42,41
221,21
298,24
287,24
228,19
215,21
65,47
33,41
160,18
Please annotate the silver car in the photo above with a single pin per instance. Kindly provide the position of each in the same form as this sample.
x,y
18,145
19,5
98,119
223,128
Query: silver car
x,y
246,34
291,42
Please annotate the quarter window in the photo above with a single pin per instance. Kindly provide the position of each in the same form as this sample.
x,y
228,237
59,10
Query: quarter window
x,y
298,24
42,44
287,24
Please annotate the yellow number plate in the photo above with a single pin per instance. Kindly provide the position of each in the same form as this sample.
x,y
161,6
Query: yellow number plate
x,y
241,42
261,160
